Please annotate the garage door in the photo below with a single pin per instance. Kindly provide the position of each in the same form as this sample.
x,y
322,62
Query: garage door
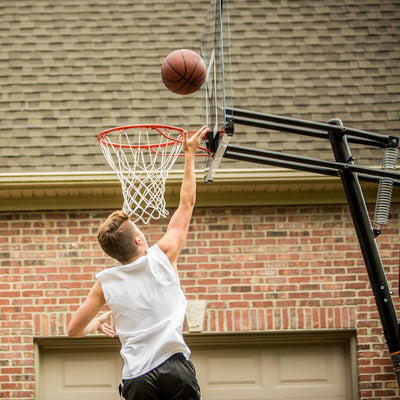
x,y
317,371
229,367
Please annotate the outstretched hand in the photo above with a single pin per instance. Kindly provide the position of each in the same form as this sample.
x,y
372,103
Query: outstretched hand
x,y
190,144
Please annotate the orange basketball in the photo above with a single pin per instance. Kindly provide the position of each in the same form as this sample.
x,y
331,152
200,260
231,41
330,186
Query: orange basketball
x,y
183,71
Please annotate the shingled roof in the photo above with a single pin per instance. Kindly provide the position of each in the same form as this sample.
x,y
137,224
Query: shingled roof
x,y
72,68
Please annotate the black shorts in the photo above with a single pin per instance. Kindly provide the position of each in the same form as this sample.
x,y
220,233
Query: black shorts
x,y
175,379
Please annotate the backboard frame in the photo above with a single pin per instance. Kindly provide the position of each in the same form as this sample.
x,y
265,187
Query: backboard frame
x,y
217,90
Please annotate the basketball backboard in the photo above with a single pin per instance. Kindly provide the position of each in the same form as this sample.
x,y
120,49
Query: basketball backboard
x,y
216,91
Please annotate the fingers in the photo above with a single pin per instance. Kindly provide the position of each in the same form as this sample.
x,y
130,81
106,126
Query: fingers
x,y
105,316
107,330
185,137
201,132
196,137
104,326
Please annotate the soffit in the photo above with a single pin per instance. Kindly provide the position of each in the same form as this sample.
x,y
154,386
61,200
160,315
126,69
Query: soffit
x,y
92,190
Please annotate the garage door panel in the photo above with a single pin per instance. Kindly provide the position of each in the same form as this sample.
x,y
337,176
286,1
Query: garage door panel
x,y
274,372
318,371
244,368
83,375
97,372
291,366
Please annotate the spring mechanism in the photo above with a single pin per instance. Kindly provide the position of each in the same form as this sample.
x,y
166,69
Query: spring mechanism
x,y
385,188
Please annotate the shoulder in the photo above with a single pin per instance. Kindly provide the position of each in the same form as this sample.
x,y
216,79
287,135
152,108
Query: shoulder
x,y
156,252
96,293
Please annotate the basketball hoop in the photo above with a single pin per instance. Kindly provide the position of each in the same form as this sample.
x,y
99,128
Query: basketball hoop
x,y
142,156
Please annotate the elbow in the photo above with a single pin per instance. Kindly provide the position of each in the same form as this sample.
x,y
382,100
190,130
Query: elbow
x,y
72,332
188,202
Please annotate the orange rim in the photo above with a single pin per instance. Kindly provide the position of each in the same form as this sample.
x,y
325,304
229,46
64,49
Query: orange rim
x,y
161,129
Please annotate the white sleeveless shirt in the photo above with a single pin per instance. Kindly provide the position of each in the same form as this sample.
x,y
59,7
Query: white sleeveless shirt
x,y
149,308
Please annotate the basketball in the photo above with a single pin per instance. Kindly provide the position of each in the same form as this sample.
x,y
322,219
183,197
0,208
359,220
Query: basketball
x,y
183,71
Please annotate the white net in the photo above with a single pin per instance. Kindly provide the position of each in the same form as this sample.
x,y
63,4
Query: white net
x,y
142,157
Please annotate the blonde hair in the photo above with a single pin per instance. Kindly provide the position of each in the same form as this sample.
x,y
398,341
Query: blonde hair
x,y
116,236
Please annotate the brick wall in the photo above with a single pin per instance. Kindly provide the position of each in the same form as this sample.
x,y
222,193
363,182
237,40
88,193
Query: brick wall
x,y
259,268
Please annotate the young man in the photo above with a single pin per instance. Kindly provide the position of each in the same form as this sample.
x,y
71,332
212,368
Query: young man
x,y
146,300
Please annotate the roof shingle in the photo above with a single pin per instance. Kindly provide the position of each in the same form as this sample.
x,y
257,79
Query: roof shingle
x,y
69,69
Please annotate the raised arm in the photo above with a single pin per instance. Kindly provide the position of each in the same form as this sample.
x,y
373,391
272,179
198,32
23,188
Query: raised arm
x,y
174,239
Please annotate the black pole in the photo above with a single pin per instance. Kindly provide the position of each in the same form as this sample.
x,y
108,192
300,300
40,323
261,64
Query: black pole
x,y
368,246
339,136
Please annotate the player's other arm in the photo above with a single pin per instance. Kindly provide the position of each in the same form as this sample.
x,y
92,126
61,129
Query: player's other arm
x,y
174,239
84,321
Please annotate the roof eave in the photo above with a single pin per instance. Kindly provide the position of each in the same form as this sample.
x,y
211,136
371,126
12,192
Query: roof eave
x,y
235,187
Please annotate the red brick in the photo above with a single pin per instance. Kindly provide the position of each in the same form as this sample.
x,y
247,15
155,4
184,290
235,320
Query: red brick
x,y
267,269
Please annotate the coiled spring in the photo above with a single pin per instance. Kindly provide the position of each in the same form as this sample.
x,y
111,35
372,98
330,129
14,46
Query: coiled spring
x,y
385,188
